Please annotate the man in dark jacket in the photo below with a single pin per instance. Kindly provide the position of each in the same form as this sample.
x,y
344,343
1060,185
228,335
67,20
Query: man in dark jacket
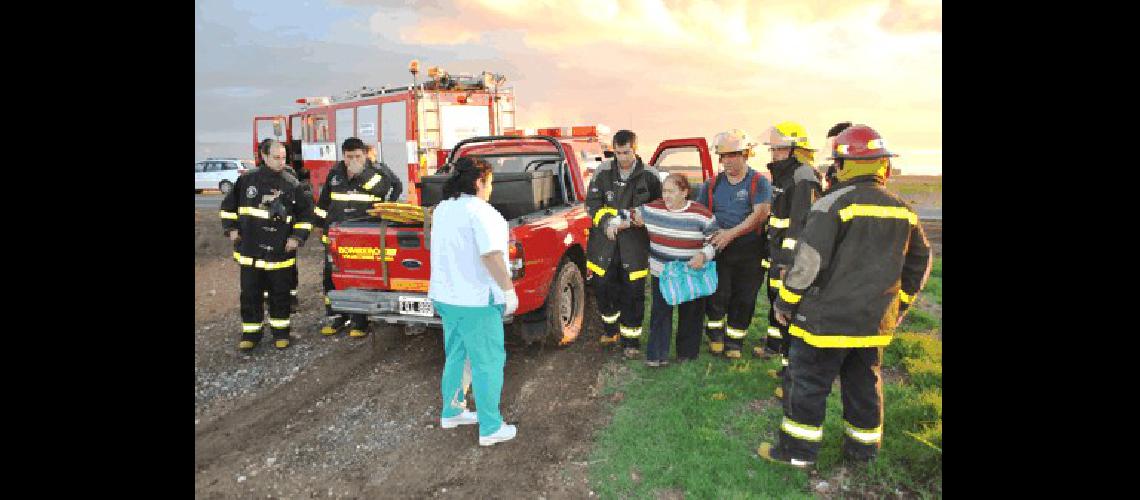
x,y
266,215
860,261
795,186
617,252
294,279
353,185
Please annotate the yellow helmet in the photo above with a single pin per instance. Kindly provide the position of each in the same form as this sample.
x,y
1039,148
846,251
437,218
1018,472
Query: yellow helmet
x,y
787,135
732,141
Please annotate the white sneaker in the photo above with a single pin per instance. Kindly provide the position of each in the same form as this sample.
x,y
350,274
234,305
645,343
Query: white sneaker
x,y
465,418
505,433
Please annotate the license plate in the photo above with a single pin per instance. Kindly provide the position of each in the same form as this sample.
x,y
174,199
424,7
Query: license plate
x,y
416,306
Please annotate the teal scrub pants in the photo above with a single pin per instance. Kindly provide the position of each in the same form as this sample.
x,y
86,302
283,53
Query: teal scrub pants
x,y
474,333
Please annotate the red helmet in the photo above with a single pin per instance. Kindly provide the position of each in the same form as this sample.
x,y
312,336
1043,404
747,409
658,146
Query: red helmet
x,y
860,142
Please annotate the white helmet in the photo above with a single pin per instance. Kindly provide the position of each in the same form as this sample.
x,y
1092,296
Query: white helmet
x,y
732,141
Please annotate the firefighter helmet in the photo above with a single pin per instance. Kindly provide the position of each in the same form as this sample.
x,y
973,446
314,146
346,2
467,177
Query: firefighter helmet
x,y
787,134
860,142
732,141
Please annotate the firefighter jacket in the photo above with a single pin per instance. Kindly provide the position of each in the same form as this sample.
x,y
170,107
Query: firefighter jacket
x,y
795,186
267,208
606,196
343,198
861,260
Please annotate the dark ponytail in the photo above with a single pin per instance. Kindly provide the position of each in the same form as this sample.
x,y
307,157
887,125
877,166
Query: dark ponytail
x,y
464,173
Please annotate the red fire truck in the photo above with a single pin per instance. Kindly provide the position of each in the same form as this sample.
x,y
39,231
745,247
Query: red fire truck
x,y
411,128
382,268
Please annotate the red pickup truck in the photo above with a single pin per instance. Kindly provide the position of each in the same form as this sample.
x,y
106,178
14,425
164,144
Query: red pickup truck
x,y
381,268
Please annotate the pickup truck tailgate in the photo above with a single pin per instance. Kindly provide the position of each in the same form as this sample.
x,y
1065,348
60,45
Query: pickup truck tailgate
x,y
360,260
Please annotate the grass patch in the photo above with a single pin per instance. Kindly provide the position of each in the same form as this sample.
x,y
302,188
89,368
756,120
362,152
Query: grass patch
x,y
904,186
694,427
919,320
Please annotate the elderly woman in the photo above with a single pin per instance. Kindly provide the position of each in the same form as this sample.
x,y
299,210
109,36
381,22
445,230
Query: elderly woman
x,y
472,290
678,231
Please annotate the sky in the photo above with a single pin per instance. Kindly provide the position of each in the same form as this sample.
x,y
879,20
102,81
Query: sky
x,y
663,68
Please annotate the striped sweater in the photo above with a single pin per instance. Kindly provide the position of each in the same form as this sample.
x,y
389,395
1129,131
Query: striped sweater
x,y
677,234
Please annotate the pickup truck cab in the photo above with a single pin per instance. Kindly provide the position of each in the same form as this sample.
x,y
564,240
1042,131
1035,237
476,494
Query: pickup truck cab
x,y
382,268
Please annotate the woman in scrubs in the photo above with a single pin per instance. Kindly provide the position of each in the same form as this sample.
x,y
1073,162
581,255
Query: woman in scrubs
x,y
471,289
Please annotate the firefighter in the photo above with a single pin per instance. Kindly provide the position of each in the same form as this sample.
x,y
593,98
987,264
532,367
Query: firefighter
x,y
861,259
266,215
740,198
831,133
262,153
795,186
352,186
617,252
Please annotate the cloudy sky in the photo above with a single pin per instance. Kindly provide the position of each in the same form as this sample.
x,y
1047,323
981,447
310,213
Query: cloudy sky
x,y
665,68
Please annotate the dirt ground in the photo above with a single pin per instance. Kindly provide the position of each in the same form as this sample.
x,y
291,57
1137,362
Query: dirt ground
x,y
348,418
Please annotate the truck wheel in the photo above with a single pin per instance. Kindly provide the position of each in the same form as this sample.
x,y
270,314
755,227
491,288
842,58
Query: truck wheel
x,y
565,304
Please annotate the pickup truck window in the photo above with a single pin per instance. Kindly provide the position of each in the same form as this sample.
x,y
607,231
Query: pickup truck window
x,y
685,161
521,162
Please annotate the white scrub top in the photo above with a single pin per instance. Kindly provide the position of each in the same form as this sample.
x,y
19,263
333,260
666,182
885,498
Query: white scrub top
x,y
462,230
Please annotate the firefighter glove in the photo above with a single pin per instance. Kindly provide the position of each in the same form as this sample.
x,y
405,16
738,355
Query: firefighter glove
x,y
277,210
782,316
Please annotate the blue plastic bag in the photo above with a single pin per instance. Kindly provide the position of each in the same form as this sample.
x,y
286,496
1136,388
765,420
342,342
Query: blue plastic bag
x,y
680,283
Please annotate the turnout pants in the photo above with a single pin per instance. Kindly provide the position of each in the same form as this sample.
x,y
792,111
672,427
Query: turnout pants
x,y
358,320
474,333
806,386
294,280
621,301
776,342
255,283
661,326
739,275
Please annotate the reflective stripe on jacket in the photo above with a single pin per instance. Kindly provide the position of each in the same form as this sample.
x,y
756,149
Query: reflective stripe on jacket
x,y
861,251
250,209
605,197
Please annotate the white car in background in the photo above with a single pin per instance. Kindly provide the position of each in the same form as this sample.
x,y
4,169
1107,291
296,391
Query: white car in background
x,y
219,173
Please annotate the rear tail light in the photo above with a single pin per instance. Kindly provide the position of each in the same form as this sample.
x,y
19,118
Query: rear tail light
x,y
515,260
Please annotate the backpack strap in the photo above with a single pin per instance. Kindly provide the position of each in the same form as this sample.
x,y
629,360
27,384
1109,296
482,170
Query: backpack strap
x,y
710,187
752,196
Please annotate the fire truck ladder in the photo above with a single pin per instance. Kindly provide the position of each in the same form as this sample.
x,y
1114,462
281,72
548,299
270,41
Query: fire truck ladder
x,y
432,137
505,107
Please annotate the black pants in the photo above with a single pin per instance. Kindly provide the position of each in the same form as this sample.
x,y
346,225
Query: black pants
x,y
776,341
739,275
294,280
359,321
661,326
806,386
621,302
254,283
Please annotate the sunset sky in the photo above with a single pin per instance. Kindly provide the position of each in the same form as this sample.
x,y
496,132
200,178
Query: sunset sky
x,y
663,68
